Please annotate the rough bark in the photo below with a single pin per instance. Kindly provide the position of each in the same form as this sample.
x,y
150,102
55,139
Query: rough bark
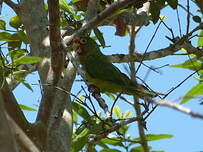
x,y
12,107
34,17
7,138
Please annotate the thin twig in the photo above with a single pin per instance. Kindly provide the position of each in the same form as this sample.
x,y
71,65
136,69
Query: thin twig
x,y
118,96
168,28
90,100
179,23
76,98
104,134
181,6
174,88
153,109
124,139
188,17
148,47
179,108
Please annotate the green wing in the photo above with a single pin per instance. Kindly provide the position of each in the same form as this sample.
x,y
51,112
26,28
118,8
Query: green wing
x,y
99,67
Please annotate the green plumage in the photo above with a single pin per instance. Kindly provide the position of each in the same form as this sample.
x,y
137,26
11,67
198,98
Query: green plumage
x,y
103,74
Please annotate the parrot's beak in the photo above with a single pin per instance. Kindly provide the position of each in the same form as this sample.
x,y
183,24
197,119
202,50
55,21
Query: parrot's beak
x,y
76,45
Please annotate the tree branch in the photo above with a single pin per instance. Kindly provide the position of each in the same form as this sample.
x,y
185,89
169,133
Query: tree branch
x,y
137,106
7,138
200,4
56,63
92,9
101,17
138,18
25,143
57,56
104,134
180,43
136,57
179,108
59,108
35,24
12,5
60,119
12,107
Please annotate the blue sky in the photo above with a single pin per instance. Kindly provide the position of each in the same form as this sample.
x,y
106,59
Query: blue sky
x,y
186,130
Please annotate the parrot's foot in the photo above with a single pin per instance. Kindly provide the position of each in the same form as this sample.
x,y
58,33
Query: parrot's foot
x,y
93,89
96,94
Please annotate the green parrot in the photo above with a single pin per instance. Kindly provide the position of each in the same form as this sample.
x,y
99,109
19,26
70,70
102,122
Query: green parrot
x,y
102,73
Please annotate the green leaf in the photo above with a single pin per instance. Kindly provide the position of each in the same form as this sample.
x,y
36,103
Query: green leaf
x,y
2,24
79,129
15,22
109,150
173,3
14,44
200,39
122,11
74,1
27,85
2,77
95,127
139,149
23,37
19,75
123,130
79,109
111,96
15,54
197,19
127,114
100,37
66,7
5,36
152,137
27,60
101,144
191,64
24,107
80,140
75,117
194,92
63,22
155,8
163,17
112,141
117,112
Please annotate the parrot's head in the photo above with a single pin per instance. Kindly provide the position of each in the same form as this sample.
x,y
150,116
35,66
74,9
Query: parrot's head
x,y
85,46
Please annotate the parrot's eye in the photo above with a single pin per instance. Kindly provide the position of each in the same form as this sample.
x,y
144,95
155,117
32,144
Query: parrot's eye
x,y
83,41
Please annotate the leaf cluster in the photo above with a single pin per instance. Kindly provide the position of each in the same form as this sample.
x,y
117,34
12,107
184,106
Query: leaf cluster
x,y
95,131
194,63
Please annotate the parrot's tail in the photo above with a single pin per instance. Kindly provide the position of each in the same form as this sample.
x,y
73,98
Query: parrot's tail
x,y
143,92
